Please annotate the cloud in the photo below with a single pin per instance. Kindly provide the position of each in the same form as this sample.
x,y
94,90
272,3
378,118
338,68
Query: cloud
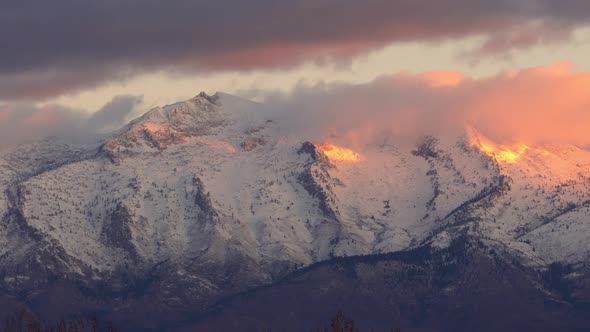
x,y
549,104
24,122
43,83
77,45
113,114
540,105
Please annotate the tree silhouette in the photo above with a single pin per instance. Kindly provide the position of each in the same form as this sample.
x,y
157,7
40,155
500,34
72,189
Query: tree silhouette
x,y
343,323
24,321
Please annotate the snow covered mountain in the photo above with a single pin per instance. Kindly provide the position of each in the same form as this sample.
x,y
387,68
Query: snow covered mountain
x,y
213,197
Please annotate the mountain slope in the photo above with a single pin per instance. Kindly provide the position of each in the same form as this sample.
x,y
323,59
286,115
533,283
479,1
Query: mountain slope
x,y
464,287
198,200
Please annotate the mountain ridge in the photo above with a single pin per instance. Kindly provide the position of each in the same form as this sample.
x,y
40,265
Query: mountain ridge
x,y
205,198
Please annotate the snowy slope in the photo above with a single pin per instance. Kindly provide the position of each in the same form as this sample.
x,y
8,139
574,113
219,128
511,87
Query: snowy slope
x,y
205,178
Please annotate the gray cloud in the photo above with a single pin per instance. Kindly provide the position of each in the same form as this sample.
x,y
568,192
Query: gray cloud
x,y
73,45
114,114
23,122
20,122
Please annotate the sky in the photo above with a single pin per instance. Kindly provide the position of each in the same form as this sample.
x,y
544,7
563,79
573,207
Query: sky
x,y
92,65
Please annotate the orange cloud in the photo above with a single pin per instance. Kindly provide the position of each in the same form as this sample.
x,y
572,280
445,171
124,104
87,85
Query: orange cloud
x,y
443,78
543,104
529,106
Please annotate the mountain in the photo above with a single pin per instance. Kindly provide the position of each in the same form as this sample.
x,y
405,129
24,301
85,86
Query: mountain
x,y
180,212
464,287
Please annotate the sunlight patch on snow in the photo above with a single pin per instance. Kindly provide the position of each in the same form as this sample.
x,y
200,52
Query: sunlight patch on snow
x,y
504,153
151,127
337,153
512,154
216,144
509,154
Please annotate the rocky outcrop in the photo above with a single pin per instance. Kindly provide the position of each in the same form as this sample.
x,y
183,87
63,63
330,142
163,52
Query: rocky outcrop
x,y
316,156
316,180
117,232
427,148
207,212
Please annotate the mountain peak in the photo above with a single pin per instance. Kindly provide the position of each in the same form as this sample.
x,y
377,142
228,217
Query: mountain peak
x,y
203,96
202,115
170,124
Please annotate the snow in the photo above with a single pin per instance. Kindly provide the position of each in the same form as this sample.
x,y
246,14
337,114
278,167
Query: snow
x,y
392,199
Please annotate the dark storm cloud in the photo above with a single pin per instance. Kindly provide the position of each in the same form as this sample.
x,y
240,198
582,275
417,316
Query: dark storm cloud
x,y
75,45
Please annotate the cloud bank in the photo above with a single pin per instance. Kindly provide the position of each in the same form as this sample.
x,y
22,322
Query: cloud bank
x,y
64,46
549,104
538,105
